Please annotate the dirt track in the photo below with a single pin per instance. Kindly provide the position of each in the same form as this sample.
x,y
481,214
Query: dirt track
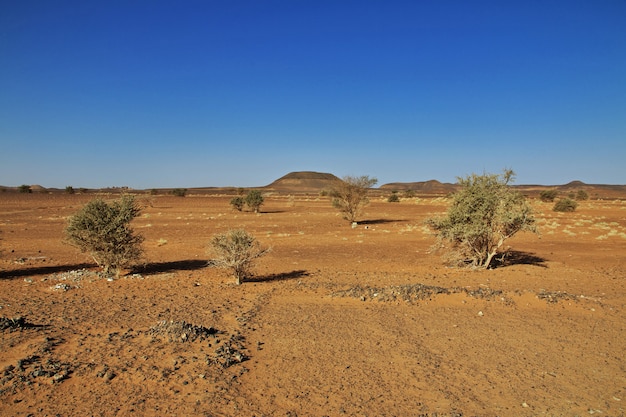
x,y
338,321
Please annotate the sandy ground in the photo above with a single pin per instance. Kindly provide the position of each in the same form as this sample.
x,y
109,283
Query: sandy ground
x,y
337,321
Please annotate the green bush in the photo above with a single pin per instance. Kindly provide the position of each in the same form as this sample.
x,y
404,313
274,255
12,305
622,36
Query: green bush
x,y
484,213
69,190
254,199
548,196
565,205
103,230
582,195
25,189
179,192
393,198
409,194
236,250
237,203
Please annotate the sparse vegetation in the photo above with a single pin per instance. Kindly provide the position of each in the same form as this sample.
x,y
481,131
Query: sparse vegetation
x,y
409,194
179,192
393,198
565,205
25,189
254,199
582,195
548,196
103,230
237,203
483,214
236,250
350,195
69,190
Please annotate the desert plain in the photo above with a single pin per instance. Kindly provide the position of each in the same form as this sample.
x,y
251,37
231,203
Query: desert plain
x,y
363,321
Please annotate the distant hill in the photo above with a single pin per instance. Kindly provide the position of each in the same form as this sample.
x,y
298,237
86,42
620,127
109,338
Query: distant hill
x,y
303,181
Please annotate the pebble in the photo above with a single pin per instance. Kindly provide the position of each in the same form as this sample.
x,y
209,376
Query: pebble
x,y
480,313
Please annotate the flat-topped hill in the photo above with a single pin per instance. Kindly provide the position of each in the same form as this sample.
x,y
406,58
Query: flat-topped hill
x,y
304,181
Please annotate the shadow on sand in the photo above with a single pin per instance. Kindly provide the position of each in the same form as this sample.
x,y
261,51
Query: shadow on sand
x,y
43,270
160,267
279,277
513,257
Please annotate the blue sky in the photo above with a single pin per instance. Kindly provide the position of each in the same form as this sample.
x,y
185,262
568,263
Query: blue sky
x,y
148,93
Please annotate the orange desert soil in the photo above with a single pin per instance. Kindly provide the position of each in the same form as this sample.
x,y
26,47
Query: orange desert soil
x,y
362,321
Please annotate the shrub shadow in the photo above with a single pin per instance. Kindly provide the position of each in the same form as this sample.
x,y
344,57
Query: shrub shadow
x,y
513,257
160,267
279,277
43,270
378,221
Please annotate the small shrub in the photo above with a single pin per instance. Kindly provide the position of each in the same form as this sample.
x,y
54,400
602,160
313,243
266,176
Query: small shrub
x,y
103,230
409,194
565,205
548,196
582,195
393,198
238,203
236,250
254,199
349,195
69,190
484,213
179,192
25,189
154,191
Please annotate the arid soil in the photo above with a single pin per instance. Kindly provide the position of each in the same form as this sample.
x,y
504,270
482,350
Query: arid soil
x,y
363,321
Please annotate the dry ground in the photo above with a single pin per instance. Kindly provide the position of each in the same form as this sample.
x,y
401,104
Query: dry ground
x,y
338,321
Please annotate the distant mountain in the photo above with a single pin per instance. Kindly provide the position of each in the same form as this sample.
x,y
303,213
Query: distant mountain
x,y
303,181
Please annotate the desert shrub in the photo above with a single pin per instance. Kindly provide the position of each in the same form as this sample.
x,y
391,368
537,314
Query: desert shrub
x,y
69,190
566,205
582,195
483,214
179,192
236,250
238,203
254,199
83,190
393,198
103,230
154,191
548,196
25,189
409,194
349,195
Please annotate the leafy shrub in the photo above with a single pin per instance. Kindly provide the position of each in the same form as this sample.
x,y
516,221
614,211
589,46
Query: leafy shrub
x,y
350,195
548,196
238,203
409,194
25,189
582,195
179,192
483,214
565,205
69,190
236,250
103,230
254,199
393,198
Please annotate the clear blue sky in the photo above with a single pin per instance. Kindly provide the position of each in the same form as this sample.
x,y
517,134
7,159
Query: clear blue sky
x,y
148,93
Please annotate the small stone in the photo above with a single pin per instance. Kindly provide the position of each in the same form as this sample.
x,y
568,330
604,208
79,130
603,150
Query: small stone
x,y
480,313
525,405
